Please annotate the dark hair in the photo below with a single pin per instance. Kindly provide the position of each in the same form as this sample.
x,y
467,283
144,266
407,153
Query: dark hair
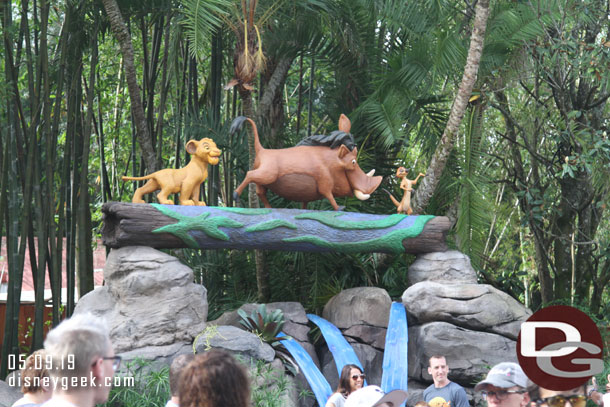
x,y
214,379
344,386
436,357
534,390
178,364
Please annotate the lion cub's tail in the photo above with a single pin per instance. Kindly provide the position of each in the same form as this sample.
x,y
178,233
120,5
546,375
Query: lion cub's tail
x,y
136,178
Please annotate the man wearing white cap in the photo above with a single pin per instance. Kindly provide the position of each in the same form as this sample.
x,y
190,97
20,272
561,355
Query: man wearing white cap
x,y
373,396
505,386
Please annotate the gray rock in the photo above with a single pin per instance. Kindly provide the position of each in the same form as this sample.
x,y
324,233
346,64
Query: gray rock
x,y
234,340
227,318
296,331
451,265
157,356
149,300
370,335
469,353
359,306
8,394
305,396
474,306
329,369
416,392
273,385
293,311
372,362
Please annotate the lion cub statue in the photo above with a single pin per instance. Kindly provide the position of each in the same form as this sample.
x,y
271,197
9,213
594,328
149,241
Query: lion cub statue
x,y
186,180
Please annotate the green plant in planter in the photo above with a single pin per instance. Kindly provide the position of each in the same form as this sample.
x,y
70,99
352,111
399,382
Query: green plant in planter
x,y
266,326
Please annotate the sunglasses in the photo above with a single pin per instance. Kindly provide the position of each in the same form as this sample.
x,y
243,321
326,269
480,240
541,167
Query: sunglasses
x,y
577,400
500,395
358,376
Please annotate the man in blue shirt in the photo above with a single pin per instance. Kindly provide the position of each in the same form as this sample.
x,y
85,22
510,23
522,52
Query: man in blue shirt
x,y
443,392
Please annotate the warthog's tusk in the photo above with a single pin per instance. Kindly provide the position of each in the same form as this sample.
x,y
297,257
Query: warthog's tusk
x,y
360,195
370,173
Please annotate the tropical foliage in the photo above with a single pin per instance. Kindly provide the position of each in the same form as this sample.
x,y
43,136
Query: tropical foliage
x,y
91,91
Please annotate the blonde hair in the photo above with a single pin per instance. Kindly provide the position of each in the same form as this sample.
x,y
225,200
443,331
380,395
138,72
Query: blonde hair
x,y
34,369
75,343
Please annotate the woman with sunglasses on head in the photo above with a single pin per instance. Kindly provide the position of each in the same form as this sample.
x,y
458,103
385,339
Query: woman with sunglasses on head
x,y
351,380
567,398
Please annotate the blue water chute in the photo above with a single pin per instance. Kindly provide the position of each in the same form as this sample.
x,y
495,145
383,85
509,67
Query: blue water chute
x,y
395,357
342,351
318,383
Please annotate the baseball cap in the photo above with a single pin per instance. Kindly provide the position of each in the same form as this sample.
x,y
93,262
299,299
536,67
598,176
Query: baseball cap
x,y
504,375
371,396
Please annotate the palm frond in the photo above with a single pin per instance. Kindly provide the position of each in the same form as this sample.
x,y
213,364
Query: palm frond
x,y
200,18
385,119
474,210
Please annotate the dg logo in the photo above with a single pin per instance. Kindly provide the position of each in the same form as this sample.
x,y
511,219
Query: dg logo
x,y
560,348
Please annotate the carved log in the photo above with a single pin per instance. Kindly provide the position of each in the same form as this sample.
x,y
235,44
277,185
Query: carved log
x,y
209,227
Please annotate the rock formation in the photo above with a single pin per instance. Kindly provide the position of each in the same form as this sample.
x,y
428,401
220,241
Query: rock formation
x,y
150,302
156,311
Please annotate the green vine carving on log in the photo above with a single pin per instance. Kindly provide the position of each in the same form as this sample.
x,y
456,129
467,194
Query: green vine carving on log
x,y
391,242
270,224
185,223
331,219
244,211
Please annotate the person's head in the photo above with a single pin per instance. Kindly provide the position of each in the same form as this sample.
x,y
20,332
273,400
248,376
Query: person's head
x,y
33,373
373,396
214,379
421,403
550,398
505,386
438,369
80,347
351,379
176,368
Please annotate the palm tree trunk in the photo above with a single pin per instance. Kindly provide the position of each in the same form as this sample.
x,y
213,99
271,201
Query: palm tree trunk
x,y
262,275
122,35
85,253
439,159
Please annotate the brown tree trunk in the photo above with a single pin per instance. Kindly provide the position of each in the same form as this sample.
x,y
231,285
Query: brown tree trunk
x,y
439,159
122,35
262,275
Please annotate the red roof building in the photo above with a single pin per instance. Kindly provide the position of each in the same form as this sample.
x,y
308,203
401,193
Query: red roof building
x,y
27,286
